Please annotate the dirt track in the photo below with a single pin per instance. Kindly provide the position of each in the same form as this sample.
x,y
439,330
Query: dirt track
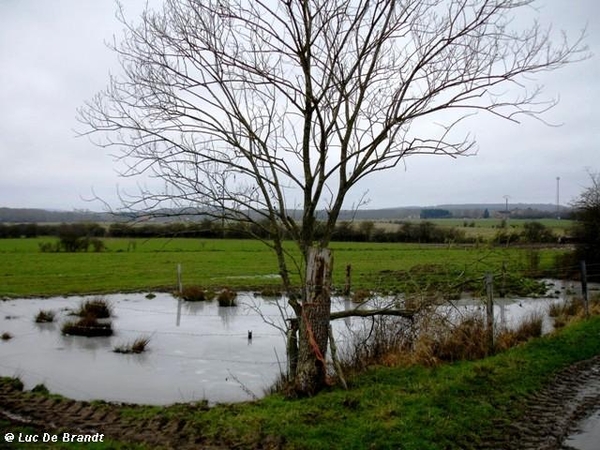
x,y
53,414
551,416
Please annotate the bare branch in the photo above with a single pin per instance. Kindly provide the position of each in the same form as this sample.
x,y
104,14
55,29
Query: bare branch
x,y
371,313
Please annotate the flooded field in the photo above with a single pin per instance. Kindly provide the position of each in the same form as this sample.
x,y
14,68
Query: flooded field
x,y
197,351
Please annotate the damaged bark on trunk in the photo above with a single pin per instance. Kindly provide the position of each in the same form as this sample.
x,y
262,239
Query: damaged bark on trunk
x,y
313,333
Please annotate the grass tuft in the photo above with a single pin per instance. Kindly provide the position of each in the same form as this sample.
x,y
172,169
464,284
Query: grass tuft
x,y
45,316
138,346
227,298
97,308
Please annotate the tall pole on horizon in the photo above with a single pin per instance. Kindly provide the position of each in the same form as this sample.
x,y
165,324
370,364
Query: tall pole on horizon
x,y
558,198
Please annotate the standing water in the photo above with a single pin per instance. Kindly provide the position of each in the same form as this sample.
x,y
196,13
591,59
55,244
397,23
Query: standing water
x,y
197,351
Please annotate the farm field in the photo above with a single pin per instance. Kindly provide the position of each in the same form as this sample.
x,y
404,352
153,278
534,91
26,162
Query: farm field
x,y
151,264
486,229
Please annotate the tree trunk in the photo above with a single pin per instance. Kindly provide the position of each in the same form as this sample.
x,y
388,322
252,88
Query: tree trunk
x,y
311,370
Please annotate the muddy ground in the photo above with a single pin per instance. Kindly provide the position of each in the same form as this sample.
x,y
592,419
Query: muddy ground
x,y
551,415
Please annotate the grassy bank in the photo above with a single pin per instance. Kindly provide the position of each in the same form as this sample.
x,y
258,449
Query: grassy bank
x,y
404,408
447,407
151,264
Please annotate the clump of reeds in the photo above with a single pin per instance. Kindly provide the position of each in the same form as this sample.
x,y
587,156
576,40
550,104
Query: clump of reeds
x,y
45,316
194,293
137,346
466,340
6,336
431,339
98,308
227,298
87,326
572,309
530,327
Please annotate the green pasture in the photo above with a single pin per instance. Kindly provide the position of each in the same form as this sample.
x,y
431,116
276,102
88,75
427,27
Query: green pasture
x,y
151,264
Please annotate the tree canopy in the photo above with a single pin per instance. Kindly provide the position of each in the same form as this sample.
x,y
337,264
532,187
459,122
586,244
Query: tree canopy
x,y
247,110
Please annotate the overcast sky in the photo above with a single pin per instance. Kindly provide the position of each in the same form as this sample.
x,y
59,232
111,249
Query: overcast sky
x,y
53,57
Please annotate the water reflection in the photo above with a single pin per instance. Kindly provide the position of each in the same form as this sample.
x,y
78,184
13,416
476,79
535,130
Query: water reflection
x,y
193,308
46,327
86,343
186,362
227,315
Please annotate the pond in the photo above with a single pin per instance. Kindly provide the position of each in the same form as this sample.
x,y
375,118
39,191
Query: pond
x,y
197,351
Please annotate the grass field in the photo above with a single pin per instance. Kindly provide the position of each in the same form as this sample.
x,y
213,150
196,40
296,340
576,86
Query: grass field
x,y
151,264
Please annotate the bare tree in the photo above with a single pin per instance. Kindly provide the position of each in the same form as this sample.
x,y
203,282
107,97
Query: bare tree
x,y
247,110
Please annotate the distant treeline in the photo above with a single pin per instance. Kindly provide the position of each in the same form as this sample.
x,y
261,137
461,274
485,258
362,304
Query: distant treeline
x,y
365,231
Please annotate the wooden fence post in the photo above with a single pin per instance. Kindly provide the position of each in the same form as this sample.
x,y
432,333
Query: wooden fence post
x,y
348,284
489,287
179,298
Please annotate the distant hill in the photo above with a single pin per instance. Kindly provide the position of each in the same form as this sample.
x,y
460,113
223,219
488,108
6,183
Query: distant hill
x,y
33,215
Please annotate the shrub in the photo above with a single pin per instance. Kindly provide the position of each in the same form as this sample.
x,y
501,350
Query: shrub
x,y
41,389
15,383
49,247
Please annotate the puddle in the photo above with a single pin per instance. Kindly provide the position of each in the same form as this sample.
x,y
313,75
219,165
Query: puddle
x,y
206,357
200,359
588,435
